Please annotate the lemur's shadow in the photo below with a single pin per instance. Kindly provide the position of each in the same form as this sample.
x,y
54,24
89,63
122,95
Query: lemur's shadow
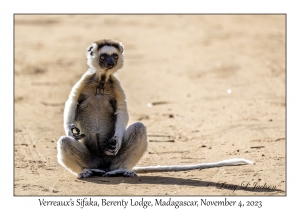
x,y
162,180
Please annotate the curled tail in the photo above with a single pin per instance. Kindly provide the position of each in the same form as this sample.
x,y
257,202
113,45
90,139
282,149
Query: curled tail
x,y
230,162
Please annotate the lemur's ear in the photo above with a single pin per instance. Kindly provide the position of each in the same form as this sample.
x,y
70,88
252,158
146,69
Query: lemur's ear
x,y
92,49
121,47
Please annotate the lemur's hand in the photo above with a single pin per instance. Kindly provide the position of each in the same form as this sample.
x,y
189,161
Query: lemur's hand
x,y
113,146
76,135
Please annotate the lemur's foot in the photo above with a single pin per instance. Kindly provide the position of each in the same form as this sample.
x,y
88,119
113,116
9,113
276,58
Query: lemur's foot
x,y
125,173
88,173
130,174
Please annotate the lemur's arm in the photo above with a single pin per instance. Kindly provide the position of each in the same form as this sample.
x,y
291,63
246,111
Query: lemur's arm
x,y
122,117
71,104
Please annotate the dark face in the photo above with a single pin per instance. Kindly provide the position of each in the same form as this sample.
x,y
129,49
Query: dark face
x,y
107,61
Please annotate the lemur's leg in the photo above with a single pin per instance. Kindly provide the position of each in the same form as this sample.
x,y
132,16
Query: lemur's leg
x,y
133,147
75,157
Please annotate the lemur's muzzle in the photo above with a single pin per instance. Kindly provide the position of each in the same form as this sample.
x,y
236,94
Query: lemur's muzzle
x,y
110,62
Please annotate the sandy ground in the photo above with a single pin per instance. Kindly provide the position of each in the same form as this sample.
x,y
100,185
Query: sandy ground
x,y
189,62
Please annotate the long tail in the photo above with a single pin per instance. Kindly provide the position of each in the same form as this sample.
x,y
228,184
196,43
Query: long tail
x,y
230,162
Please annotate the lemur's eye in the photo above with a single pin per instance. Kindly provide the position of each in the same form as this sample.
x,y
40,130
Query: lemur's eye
x,y
102,57
115,56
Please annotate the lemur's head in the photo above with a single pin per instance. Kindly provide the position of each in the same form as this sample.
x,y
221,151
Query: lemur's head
x,y
105,56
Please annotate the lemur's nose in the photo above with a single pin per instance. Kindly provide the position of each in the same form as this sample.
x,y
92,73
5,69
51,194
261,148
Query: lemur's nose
x,y
110,62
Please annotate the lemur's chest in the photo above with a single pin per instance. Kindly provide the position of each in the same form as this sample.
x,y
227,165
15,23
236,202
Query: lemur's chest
x,y
98,96
97,105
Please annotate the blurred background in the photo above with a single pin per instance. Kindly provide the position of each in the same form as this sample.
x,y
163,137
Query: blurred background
x,y
215,84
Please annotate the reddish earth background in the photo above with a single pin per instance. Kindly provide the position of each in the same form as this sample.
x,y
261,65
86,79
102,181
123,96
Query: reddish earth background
x,y
188,62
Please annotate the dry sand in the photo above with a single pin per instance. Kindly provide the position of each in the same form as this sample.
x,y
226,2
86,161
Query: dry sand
x,y
188,61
